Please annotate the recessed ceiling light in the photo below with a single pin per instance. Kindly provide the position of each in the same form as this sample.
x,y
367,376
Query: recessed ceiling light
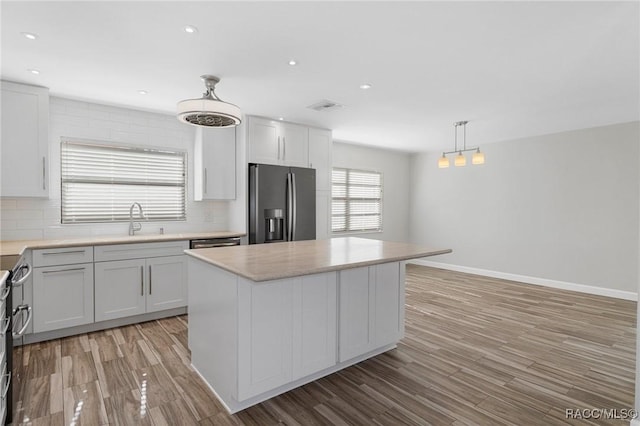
x,y
33,71
293,62
30,36
365,86
281,118
190,29
142,92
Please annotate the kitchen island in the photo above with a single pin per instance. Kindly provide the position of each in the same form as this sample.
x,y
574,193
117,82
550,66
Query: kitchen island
x,y
267,318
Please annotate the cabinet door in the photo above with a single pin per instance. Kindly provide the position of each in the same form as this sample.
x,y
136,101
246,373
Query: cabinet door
x,y
264,141
295,145
389,295
323,215
120,289
219,164
264,336
320,158
314,323
167,278
25,140
62,297
357,321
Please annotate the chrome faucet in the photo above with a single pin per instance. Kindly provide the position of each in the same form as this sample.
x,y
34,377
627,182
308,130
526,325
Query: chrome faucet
x,y
135,226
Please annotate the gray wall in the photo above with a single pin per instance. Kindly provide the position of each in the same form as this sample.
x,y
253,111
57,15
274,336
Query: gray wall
x,y
560,207
394,166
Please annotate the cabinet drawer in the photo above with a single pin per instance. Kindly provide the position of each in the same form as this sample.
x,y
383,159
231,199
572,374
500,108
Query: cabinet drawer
x,y
62,256
139,251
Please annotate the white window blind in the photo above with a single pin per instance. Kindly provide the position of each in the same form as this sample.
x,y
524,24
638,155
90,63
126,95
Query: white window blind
x,y
101,181
356,200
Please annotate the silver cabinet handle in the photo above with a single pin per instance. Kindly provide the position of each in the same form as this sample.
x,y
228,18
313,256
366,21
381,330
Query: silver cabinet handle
x,y
63,270
5,391
205,180
26,323
150,281
63,252
141,280
6,327
21,281
44,173
7,290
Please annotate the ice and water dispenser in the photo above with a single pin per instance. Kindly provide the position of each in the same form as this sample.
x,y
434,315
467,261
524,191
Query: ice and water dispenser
x,y
274,226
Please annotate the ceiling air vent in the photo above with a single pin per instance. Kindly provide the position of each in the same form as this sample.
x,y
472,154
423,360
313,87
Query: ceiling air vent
x,y
325,105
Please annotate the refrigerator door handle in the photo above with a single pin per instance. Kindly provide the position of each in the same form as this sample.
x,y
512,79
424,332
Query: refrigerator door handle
x,y
295,206
289,206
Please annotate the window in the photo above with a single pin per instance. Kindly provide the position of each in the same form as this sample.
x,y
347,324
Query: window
x,y
101,181
356,200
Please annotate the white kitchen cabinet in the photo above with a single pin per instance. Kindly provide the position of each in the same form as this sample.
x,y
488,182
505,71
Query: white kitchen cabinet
x,y
264,141
215,164
274,142
265,314
137,286
120,289
295,145
167,281
286,331
320,157
371,308
25,140
62,296
314,324
323,215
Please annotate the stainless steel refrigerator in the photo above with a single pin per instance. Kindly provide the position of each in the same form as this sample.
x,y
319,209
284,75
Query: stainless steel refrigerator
x,y
282,203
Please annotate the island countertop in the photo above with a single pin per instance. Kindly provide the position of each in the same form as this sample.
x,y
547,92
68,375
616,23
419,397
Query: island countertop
x,y
264,262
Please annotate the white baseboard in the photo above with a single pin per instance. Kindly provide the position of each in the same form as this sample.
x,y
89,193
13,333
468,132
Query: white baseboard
x,y
582,288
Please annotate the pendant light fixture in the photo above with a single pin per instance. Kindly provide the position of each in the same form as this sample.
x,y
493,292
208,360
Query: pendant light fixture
x,y
210,110
460,160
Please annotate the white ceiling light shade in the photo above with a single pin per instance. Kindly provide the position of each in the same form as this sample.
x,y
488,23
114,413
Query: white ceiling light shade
x,y
190,29
365,86
460,160
209,111
30,36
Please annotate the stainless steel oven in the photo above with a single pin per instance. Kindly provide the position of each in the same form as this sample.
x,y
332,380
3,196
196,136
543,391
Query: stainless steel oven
x,y
14,323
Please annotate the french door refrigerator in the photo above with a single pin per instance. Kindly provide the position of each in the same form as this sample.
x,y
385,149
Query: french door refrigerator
x,y
282,203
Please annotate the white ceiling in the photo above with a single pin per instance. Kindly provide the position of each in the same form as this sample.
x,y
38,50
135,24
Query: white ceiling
x,y
513,69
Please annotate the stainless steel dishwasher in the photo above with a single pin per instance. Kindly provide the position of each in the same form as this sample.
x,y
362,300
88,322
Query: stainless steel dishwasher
x,y
214,242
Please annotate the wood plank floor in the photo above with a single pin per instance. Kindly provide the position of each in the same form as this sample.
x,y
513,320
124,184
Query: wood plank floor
x,y
477,351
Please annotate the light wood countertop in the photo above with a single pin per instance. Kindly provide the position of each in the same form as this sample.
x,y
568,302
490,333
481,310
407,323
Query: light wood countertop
x,y
19,246
263,262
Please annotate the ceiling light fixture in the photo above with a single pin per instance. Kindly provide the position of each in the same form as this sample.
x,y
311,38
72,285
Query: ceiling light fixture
x,y
190,29
293,62
34,71
460,160
281,118
30,36
210,110
365,86
142,92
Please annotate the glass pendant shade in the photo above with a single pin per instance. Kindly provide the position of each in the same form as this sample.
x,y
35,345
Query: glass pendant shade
x,y
460,160
443,162
478,157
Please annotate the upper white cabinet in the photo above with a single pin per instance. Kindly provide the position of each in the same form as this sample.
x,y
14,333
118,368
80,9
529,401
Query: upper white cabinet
x,y
273,142
25,140
215,164
320,143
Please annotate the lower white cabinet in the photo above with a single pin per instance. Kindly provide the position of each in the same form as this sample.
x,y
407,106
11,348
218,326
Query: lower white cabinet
x,y
371,308
62,296
137,286
286,330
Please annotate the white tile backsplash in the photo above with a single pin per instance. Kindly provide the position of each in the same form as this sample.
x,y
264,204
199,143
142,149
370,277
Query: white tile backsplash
x,y
29,218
